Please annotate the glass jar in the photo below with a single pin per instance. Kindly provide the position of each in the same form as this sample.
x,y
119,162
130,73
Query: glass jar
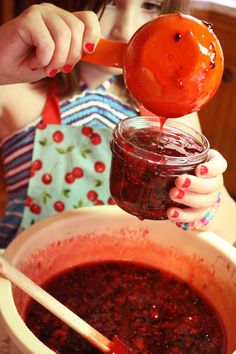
x,y
146,161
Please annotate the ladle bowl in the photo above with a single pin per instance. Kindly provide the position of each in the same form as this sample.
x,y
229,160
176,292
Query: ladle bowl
x,y
172,65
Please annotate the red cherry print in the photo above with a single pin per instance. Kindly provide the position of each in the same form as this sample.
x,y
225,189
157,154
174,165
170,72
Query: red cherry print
x,y
32,172
28,201
92,195
99,166
41,125
58,136
69,177
37,165
47,178
87,131
111,201
78,172
95,139
59,206
35,208
98,202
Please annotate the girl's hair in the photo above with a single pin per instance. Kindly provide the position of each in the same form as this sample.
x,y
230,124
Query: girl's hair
x,y
97,5
175,6
70,5
69,84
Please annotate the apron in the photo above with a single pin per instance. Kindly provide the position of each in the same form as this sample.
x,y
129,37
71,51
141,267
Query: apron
x,y
70,167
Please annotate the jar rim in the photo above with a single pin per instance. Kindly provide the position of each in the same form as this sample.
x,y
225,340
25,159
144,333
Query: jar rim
x,y
175,127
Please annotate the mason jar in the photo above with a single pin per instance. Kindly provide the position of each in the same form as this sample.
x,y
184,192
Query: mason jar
x,y
146,159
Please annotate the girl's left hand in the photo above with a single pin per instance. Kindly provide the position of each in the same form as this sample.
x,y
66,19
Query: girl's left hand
x,y
198,192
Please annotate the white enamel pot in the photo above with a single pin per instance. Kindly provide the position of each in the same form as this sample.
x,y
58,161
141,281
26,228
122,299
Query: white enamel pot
x,y
204,260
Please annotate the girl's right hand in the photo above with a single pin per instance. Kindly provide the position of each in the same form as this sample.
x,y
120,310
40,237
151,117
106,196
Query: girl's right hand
x,y
43,40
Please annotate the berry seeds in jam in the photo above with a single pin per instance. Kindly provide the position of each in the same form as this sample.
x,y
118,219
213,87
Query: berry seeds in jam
x,y
147,158
149,310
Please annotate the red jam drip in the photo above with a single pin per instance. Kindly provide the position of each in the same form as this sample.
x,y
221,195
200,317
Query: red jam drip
x,y
149,310
162,122
141,178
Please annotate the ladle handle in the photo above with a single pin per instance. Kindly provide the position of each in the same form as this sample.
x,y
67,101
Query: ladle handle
x,y
54,306
107,53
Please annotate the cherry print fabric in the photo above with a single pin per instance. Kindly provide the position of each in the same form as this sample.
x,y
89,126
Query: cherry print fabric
x,y
70,169
89,109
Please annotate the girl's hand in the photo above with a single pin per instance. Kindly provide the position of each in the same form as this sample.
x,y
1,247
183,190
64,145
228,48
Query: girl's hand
x,y
198,192
43,40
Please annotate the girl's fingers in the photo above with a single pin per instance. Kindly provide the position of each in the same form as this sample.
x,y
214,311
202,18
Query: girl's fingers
x,y
77,32
215,165
48,33
85,34
35,34
198,193
195,184
186,214
58,36
92,32
191,199
61,35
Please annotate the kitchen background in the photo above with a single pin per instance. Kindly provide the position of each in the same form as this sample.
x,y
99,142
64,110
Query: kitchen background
x,y
218,117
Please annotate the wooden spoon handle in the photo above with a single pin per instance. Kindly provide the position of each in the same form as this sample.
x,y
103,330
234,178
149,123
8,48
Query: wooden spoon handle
x,y
54,306
108,53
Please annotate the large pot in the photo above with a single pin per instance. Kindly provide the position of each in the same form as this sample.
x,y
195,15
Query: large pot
x,y
204,260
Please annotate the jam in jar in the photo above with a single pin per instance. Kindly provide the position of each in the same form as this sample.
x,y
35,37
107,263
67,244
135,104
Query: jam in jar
x,y
147,158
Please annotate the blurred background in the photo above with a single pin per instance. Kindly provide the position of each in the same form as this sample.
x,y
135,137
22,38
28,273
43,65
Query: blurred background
x,y
218,117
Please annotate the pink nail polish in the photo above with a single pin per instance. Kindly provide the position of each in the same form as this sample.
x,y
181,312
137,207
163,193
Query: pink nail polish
x,y
203,170
53,73
67,68
175,214
89,46
186,183
180,194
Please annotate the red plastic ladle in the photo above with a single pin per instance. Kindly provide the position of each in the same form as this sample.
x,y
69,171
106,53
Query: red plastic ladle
x,y
172,65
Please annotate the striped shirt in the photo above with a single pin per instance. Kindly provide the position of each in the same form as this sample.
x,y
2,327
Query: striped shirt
x,y
91,108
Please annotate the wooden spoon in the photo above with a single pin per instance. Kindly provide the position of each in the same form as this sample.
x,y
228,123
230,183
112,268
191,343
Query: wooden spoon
x,y
172,65
61,311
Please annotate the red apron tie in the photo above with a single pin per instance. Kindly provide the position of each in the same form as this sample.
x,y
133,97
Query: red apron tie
x,y
51,112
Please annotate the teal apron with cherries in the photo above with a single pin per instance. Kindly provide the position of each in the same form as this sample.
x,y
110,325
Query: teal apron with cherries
x,y
70,167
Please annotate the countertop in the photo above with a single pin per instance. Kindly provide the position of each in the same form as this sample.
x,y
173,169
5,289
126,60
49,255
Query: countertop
x,y
226,7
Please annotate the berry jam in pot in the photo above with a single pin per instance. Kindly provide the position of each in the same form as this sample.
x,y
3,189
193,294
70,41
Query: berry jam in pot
x,y
150,310
146,159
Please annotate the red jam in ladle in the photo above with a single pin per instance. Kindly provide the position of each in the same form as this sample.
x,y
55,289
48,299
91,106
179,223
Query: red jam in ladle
x,y
172,65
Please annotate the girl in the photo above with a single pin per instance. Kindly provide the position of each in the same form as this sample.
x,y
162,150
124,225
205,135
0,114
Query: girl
x,y
56,126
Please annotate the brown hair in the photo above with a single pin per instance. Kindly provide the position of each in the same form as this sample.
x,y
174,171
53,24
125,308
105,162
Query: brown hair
x,y
70,5
176,6
69,83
